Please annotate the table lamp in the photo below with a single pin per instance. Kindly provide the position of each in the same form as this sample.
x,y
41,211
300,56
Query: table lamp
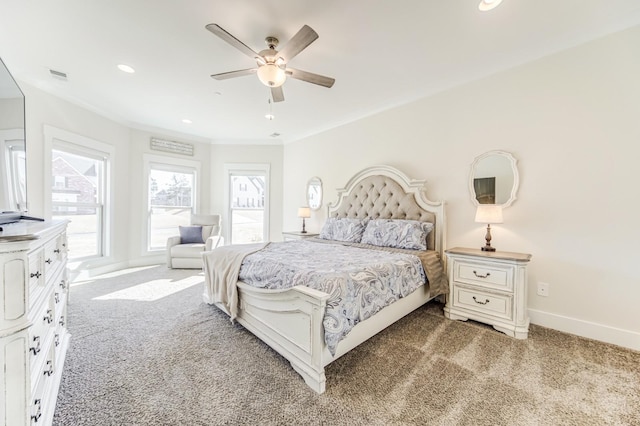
x,y
489,213
304,213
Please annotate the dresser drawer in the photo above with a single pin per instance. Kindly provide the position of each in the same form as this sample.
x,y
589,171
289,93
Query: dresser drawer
x,y
489,275
497,305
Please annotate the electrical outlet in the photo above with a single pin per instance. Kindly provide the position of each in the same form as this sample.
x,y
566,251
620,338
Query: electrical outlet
x,y
543,289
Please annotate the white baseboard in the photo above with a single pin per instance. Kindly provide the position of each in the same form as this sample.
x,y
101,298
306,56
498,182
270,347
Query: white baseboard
x,y
591,330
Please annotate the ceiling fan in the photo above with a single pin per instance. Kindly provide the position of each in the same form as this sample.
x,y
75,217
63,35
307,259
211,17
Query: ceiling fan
x,y
272,67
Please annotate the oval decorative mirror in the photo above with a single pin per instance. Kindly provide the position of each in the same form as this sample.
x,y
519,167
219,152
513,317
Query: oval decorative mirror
x,y
314,193
494,179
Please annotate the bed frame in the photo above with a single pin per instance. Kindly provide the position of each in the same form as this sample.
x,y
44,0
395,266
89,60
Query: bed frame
x,y
290,321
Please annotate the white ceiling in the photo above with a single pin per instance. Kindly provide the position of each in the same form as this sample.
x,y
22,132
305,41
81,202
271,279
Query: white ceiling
x,y
381,53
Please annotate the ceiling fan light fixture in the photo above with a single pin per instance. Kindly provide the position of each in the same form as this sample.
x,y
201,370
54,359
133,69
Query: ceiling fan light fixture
x,y
271,75
486,5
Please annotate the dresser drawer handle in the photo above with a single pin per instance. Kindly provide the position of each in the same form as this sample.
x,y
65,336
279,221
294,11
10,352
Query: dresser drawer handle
x,y
56,297
36,417
61,321
481,276
35,349
49,317
48,372
57,251
48,261
480,302
63,284
37,274
56,339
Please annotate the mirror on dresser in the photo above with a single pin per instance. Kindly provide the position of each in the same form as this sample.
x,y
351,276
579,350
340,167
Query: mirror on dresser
x,y
314,193
494,179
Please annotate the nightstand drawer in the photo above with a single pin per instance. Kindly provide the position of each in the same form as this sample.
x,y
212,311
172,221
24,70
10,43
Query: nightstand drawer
x,y
497,305
485,275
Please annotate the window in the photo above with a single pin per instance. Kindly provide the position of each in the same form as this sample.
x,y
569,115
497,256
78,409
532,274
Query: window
x,y
78,194
248,202
171,195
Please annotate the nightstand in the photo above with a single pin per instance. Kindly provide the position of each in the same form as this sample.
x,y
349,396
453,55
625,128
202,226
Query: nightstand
x,y
297,235
489,287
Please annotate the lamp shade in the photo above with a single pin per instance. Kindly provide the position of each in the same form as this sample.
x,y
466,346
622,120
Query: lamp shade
x,y
271,75
304,212
489,213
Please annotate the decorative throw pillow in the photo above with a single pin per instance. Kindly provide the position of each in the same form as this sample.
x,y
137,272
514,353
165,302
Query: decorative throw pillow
x,y
191,235
343,229
405,234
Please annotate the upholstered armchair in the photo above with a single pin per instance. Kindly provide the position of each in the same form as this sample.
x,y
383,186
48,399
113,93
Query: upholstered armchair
x,y
185,251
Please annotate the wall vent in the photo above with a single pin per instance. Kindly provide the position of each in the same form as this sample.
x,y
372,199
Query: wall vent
x,y
58,74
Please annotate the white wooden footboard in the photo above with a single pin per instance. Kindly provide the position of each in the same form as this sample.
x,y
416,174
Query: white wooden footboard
x,y
290,321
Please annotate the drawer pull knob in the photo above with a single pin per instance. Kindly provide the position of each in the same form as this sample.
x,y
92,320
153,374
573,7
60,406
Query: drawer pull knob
x,y
57,251
481,276
49,317
48,372
36,417
35,349
37,274
56,339
62,321
48,261
63,284
480,302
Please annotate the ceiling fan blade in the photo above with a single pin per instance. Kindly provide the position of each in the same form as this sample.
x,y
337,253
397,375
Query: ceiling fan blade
x,y
223,34
277,94
232,74
310,77
298,43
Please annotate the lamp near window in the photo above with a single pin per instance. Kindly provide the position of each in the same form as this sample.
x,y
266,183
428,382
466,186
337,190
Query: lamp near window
x,y
304,213
489,213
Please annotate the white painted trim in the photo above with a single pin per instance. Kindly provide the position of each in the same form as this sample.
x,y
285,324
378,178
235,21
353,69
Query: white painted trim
x,y
72,142
169,163
591,330
240,168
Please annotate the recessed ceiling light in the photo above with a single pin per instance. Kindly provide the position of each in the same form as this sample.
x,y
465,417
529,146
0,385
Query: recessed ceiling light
x,y
486,5
186,121
126,68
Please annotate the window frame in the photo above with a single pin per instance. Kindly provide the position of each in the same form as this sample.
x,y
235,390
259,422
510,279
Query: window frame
x,y
170,164
62,140
246,169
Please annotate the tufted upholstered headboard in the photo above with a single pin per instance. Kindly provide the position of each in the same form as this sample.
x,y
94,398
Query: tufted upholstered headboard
x,y
385,192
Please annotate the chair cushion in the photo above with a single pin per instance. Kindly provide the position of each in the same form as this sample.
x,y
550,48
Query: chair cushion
x,y
187,250
191,235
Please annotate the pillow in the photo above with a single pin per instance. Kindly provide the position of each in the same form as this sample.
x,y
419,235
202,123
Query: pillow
x,y
405,234
191,235
343,229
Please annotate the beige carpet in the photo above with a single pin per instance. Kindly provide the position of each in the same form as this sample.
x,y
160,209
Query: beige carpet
x,y
146,351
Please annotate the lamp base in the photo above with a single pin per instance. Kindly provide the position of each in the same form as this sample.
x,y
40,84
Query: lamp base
x,y
488,248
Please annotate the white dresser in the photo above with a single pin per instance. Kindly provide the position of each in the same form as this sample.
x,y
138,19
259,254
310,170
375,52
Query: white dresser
x,y
489,287
33,323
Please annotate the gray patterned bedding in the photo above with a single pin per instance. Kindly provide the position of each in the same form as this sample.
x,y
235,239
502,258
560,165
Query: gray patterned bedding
x,y
360,281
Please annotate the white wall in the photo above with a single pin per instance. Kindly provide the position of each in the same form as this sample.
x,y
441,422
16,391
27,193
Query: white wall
x,y
572,122
43,109
263,154
130,147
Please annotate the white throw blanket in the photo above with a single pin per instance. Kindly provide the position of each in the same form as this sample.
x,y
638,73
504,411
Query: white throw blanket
x,y
221,268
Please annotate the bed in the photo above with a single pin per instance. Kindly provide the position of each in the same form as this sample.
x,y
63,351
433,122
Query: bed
x,y
291,320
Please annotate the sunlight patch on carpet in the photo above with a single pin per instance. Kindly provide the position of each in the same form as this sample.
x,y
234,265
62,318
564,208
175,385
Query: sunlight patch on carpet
x,y
152,290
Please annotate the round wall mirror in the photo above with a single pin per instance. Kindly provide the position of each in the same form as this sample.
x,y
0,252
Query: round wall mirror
x,y
314,193
494,179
